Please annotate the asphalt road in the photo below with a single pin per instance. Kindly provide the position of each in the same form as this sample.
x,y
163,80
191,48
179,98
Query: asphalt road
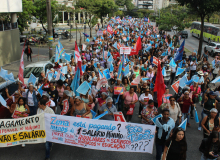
x,y
63,152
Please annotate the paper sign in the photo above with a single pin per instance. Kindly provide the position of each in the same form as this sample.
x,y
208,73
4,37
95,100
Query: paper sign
x,y
18,114
99,33
118,116
111,135
175,86
65,107
136,81
155,61
101,82
117,90
27,130
125,50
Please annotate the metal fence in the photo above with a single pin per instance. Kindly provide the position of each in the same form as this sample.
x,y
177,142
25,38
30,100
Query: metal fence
x,y
8,26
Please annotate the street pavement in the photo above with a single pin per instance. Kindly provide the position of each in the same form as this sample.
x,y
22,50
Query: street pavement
x,y
63,152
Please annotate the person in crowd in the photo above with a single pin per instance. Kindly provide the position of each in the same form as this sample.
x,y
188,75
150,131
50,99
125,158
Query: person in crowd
x,y
115,94
196,91
71,92
110,108
130,98
52,91
176,146
66,96
211,122
57,66
102,100
50,103
165,126
144,100
60,88
14,97
28,51
41,77
126,83
148,113
210,147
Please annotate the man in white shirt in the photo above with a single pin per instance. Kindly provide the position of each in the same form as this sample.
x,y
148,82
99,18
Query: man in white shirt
x,y
143,99
193,67
50,103
43,108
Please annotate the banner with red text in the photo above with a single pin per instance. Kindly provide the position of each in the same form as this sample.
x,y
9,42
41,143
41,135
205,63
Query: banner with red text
x,y
100,134
28,130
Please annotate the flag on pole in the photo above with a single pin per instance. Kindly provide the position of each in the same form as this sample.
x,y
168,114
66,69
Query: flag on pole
x,y
183,124
180,71
120,71
119,96
137,47
61,49
21,68
179,53
75,83
78,59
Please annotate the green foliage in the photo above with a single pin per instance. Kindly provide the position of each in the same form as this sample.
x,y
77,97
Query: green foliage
x,y
120,3
172,17
41,11
119,13
129,5
25,16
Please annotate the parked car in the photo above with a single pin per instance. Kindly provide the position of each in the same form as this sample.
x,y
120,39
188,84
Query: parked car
x,y
183,34
213,48
62,60
12,87
35,69
23,38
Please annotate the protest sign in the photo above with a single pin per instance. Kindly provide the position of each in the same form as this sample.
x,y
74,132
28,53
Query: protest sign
x,y
117,90
28,130
101,82
118,116
125,50
100,135
65,106
155,61
99,33
18,114
136,81
175,86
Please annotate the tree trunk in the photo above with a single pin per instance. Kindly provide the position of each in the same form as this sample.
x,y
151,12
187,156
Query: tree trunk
x,y
90,32
102,21
201,38
43,27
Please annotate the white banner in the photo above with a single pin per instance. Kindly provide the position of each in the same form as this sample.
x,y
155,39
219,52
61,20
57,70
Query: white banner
x,y
28,130
99,33
125,50
100,134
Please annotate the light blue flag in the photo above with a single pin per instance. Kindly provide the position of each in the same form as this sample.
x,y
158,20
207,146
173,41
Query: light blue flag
x,y
183,81
64,70
172,63
94,38
115,45
100,73
213,64
109,54
126,70
128,38
183,124
93,113
32,79
145,79
62,77
57,54
10,77
95,65
103,54
83,88
163,54
106,72
111,67
102,37
75,83
40,90
189,82
180,71
87,40
50,76
110,59
148,48
156,45
196,116
119,96
84,68
100,42
132,63
171,44
67,57
216,80
3,73
180,64
155,118
164,72
101,115
2,101
90,83
195,78
55,74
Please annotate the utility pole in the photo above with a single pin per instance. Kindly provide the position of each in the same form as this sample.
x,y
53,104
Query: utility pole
x,y
49,26
70,24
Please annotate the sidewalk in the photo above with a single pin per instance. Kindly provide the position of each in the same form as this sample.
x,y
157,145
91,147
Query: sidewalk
x,y
14,66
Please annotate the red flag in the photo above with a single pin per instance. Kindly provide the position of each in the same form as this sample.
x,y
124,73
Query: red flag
x,y
109,29
78,59
21,68
159,85
137,47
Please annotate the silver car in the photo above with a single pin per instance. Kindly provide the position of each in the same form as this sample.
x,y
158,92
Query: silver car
x,y
213,48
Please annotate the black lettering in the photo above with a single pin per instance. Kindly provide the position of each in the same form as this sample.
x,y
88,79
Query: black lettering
x,y
17,122
21,136
2,124
14,137
36,119
22,122
7,125
33,134
27,121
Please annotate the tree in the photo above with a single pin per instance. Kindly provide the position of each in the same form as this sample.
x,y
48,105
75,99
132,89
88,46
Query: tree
x,y
172,17
129,5
26,15
41,11
201,8
120,3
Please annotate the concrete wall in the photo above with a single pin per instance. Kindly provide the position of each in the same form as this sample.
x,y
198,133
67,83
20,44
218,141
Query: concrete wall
x,y
9,46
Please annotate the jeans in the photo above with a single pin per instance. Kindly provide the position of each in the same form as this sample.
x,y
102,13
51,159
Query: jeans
x,y
140,108
29,55
191,112
119,104
48,146
203,158
167,82
159,151
33,110
186,115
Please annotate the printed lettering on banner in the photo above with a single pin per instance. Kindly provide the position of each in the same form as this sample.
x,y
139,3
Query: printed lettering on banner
x,y
26,130
117,90
101,82
99,33
48,103
18,114
175,86
118,116
79,116
155,61
125,50
100,134
65,107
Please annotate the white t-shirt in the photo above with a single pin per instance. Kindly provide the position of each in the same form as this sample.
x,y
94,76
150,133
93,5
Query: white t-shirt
x,y
52,103
47,110
30,97
144,98
193,67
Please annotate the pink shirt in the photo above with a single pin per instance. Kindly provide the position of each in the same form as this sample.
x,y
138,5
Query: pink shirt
x,y
129,99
